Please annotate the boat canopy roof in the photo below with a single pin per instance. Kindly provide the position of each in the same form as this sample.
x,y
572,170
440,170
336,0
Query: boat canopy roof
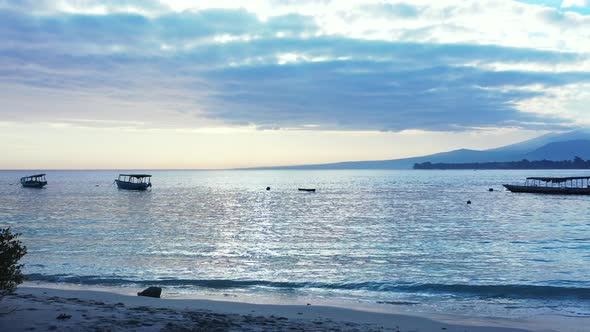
x,y
559,180
137,175
34,176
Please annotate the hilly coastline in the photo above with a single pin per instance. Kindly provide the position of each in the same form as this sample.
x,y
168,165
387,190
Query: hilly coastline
x,y
554,147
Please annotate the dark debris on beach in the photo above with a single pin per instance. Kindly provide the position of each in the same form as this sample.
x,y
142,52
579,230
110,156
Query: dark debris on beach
x,y
97,316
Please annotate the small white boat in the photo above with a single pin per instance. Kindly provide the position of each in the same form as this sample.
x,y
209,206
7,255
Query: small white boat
x,y
134,181
573,185
34,181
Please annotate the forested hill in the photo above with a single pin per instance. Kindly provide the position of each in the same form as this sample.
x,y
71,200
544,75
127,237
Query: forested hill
x,y
576,163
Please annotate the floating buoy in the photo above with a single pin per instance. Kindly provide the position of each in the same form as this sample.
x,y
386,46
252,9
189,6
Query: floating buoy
x,y
468,202
267,188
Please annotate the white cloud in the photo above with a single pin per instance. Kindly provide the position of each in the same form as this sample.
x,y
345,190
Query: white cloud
x,y
498,22
574,3
570,103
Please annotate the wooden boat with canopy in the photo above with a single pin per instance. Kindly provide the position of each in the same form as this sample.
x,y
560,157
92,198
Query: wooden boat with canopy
x,y
574,185
34,181
134,181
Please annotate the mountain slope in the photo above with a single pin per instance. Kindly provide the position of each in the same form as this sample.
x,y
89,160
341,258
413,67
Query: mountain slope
x,y
561,151
538,142
560,146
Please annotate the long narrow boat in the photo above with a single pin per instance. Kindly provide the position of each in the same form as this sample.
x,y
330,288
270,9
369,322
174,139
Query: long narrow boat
x,y
34,181
307,189
573,185
134,181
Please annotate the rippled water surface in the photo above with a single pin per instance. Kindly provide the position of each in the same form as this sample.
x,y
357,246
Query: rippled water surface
x,y
387,236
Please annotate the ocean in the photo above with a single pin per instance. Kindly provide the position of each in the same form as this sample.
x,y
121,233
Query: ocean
x,y
384,237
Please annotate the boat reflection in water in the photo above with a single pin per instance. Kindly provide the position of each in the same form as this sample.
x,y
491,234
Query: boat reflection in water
x,y
575,185
134,181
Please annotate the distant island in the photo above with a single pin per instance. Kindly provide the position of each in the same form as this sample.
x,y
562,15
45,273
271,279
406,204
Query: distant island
x,y
576,163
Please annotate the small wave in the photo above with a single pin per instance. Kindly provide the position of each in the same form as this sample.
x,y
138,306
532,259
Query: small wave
x,y
481,291
506,291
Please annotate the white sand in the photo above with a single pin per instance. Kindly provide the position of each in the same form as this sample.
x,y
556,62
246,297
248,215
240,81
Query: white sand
x,y
37,309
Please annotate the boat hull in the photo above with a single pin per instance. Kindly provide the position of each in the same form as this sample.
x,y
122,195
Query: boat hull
x,y
34,184
547,190
305,189
132,186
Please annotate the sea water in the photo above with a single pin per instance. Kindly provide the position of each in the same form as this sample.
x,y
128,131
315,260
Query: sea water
x,y
404,238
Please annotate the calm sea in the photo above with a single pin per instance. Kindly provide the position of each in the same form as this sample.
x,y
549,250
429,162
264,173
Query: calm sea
x,y
403,238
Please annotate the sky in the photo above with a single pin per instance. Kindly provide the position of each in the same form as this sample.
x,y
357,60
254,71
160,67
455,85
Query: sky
x,y
144,84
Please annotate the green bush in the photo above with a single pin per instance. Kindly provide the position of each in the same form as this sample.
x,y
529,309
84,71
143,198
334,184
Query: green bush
x,y
11,251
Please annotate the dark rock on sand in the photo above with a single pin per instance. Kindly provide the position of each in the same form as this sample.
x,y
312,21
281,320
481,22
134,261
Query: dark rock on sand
x,y
151,292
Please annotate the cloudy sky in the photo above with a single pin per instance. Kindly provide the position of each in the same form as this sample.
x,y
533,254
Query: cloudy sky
x,y
207,84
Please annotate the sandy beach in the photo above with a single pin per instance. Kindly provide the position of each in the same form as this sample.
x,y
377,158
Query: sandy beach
x,y
34,308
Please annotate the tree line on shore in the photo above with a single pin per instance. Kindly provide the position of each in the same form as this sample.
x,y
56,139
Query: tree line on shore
x,y
576,163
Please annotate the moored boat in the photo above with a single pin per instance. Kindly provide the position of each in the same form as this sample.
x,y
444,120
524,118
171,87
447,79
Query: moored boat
x,y
134,181
33,181
573,185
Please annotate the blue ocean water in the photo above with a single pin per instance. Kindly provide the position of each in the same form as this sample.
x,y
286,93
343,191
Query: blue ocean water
x,y
389,237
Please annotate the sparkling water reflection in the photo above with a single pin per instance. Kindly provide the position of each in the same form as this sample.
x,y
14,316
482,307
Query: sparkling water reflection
x,y
371,235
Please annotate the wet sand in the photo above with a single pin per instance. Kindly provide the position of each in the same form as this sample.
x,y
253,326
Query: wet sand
x,y
50,309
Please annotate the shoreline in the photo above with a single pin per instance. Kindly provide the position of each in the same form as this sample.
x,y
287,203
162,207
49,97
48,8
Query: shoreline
x,y
34,307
